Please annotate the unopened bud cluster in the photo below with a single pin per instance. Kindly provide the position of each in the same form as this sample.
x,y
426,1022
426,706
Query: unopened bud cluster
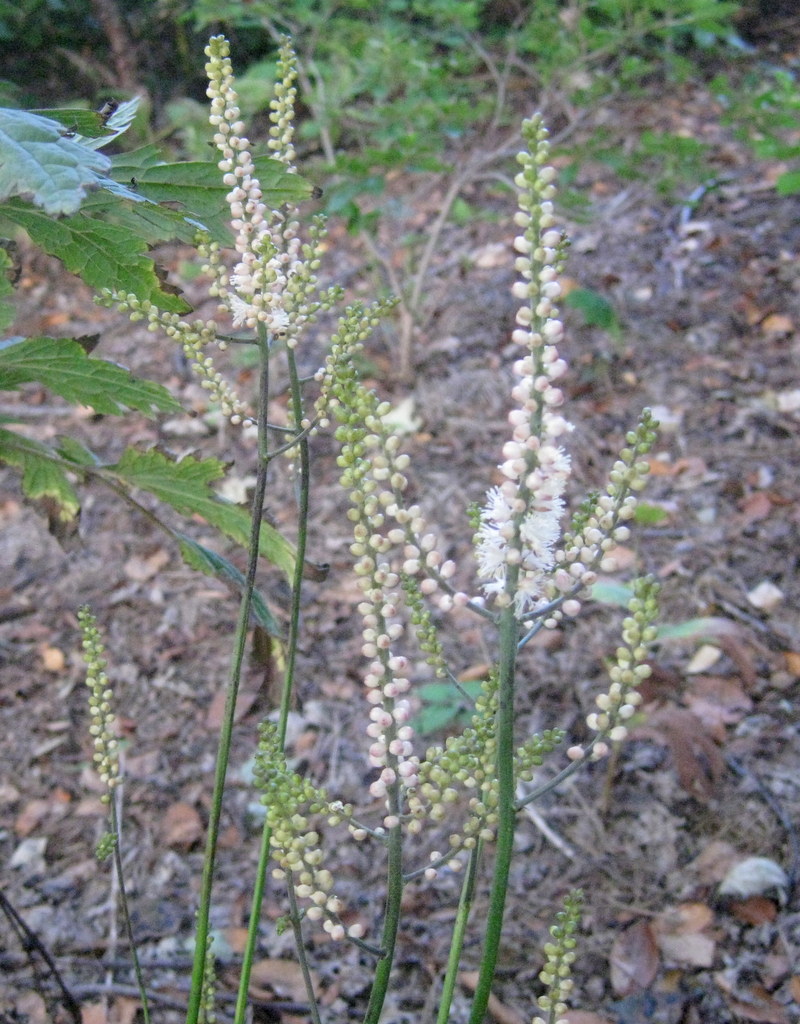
x,y
393,553
466,764
598,529
387,678
102,727
556,975
618,705
194,338
291,803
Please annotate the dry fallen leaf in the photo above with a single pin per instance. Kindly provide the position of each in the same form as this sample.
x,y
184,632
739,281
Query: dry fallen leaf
x,y
33,814
777,323
94,1013
684,919
713,863
124,1010
140,569
697,758
754,911
245,699
718,701
31,1007
634,959
691,950
752,1002
272,978
755,507
182,826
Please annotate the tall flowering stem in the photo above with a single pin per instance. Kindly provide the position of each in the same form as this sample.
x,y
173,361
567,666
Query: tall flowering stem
x,y
272,290
520,523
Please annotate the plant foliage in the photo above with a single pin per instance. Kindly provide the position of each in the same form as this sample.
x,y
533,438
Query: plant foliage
x,y
100,217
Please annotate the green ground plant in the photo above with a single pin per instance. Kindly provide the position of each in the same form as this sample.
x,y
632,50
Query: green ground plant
x,y
763,112
531,569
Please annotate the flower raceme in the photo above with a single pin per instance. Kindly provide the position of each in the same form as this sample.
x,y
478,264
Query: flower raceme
x,y
262,287
521,521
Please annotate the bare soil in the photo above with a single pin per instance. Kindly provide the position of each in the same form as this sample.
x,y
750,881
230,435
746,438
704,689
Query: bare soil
x,y
708,298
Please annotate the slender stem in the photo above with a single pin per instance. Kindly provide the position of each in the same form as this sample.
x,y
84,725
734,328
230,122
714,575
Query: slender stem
x,y
304,488
506,812
294,917
126,916
248,954
459,933
31,943
226,728
391,923
565,773
288,682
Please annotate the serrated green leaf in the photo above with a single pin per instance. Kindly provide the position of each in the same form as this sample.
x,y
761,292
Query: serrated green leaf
x,y
38,159
199,557
125,166
41,475
62,365
77,121
103,255
72,450
116,204
197,186
185,485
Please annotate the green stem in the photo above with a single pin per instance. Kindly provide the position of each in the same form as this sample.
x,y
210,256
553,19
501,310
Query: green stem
x,y
459,932
302,541
248,955
506,811
556,781
391,923
288,682
126,916
226,728
294,916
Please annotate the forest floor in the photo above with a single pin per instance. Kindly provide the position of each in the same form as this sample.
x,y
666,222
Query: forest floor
x,y
707,295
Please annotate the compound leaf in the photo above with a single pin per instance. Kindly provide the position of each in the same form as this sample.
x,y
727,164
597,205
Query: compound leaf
x,y
42,476
199,557
198,188
186,486
39,159
62,365
104,255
